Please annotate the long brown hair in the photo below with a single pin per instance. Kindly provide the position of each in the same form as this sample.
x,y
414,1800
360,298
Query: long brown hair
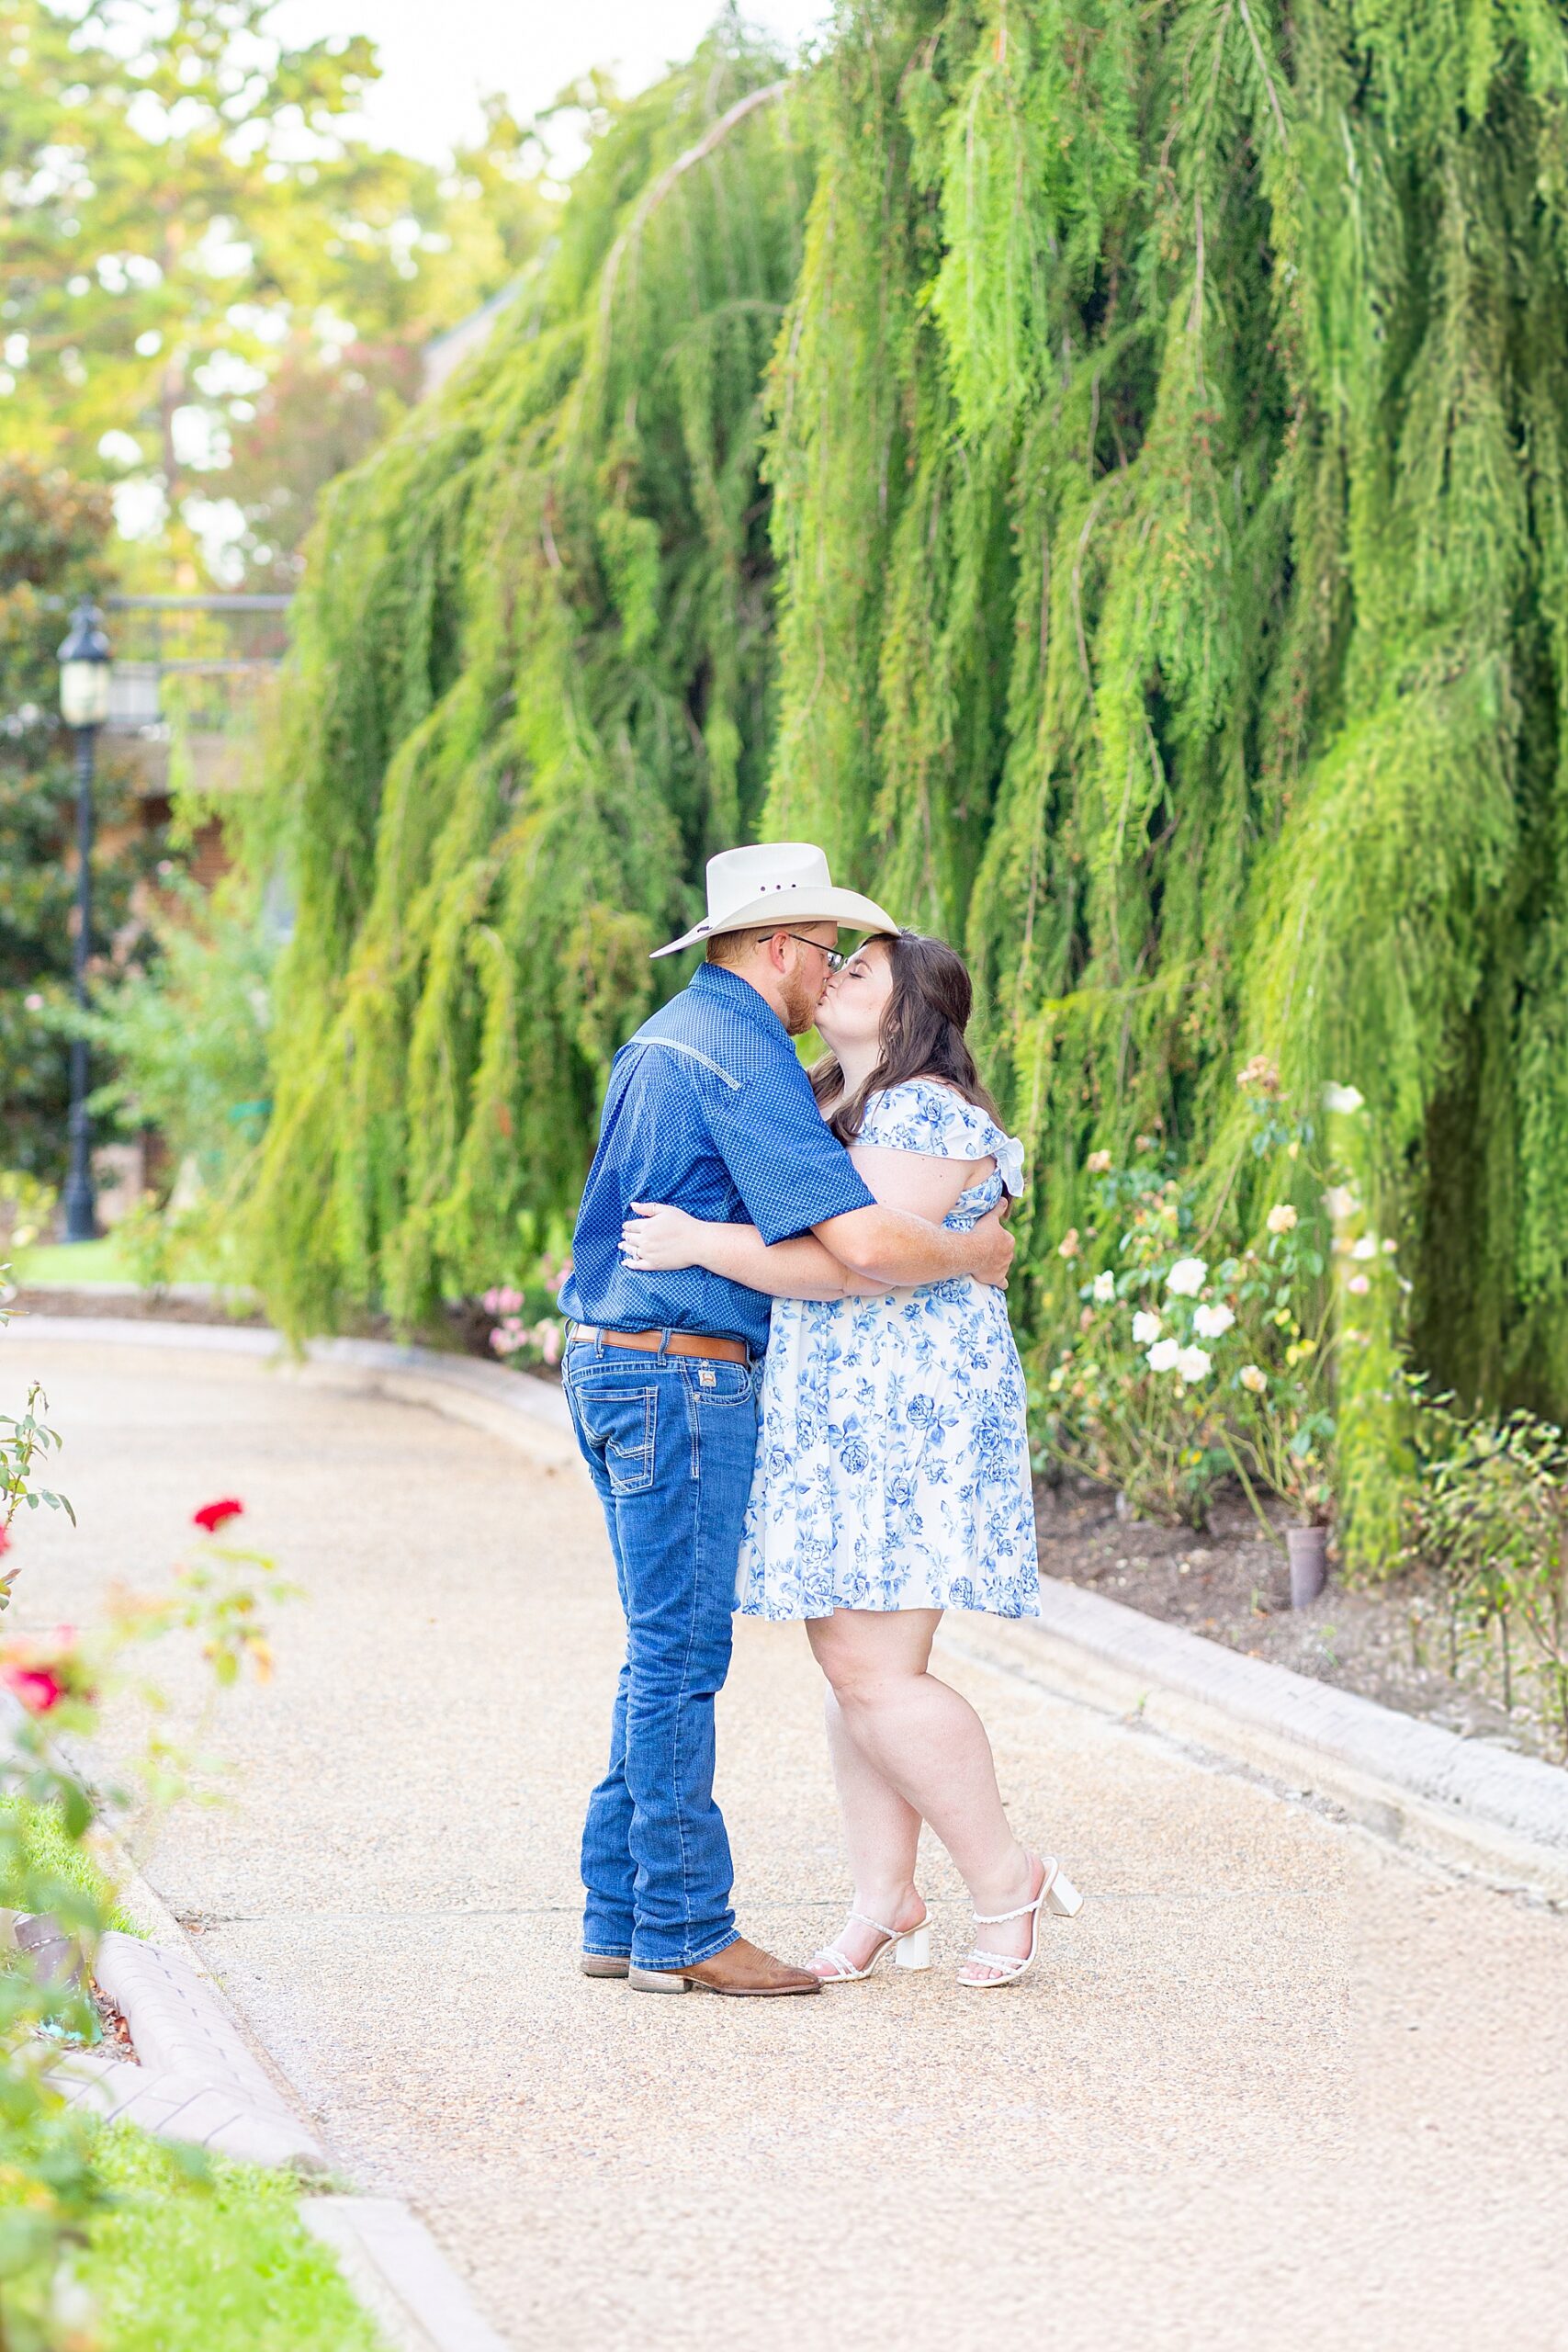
x,y
922,1033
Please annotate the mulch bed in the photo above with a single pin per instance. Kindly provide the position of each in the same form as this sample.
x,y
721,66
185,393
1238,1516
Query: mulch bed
x,y
116,2042
1232,1585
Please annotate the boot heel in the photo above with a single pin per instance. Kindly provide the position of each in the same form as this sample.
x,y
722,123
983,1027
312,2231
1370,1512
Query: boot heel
x,y
1062,1897
913,1951
657,1980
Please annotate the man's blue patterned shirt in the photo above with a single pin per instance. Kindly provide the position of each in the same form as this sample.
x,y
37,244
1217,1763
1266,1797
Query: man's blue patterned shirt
x,y
709,1111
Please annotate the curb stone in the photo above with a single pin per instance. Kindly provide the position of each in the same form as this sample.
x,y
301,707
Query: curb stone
x,y
193,2079
400,2273
1461,1802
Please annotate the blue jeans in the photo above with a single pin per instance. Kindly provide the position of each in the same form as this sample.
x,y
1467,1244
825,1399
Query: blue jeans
x,y
670,1441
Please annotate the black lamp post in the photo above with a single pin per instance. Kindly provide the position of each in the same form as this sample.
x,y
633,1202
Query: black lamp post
x,y
83,706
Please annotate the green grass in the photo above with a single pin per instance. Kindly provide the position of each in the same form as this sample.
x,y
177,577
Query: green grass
x,y
74,1262
223,2264
49,1848
105,1260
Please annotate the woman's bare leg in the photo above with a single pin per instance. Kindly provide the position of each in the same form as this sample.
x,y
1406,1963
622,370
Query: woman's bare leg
x,y
907,1736
882,1835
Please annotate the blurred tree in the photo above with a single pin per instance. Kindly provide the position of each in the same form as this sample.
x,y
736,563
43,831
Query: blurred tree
x,y
185,214
51,537
320,413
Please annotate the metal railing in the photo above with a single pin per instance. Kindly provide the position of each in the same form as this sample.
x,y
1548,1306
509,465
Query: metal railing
x,y
196,660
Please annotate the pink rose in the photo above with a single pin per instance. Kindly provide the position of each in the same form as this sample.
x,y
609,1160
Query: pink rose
x,y
34,1686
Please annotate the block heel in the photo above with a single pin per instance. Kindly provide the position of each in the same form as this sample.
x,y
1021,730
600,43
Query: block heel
x,y
902,1943
1062,1897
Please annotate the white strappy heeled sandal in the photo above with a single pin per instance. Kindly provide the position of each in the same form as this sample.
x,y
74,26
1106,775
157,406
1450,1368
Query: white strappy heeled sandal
x,y
910,1948
1056,1894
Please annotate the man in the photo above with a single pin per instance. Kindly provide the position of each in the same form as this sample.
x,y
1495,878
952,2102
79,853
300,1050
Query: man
x,y
708,1110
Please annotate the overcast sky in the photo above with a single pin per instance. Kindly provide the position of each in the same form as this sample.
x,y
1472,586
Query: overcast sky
x,y
438,56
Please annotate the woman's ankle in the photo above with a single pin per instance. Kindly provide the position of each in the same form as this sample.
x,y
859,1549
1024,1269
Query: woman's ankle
x,y
1008,1886
897,1907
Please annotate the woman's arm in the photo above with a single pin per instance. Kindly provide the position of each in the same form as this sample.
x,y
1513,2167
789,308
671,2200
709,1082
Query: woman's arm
x,y
668,1239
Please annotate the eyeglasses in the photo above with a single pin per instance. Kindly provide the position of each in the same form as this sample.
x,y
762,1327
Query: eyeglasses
x,y
836,961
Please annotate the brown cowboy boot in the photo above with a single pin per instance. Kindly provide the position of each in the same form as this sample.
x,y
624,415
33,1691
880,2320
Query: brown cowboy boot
x,y
742,1970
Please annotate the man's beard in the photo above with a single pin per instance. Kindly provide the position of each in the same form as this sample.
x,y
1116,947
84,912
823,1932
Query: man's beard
x,y
801,1000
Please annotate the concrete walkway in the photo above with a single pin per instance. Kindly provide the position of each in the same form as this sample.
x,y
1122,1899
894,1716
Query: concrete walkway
x,y
1275,2089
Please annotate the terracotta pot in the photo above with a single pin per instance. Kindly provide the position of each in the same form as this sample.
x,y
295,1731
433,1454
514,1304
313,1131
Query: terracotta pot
x,y
1309,1562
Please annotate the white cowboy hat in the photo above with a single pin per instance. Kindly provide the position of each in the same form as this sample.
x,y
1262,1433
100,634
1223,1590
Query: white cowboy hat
x,y
784,883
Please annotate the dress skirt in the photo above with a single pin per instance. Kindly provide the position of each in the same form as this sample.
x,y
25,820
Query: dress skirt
x,y
892,1459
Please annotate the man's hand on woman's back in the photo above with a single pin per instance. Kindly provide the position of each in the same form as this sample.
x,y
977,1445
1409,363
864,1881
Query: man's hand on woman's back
x,y
994,1250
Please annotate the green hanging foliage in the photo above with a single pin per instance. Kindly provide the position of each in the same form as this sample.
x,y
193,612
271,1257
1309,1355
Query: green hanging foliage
x,y
1164,413
529,695
1218,351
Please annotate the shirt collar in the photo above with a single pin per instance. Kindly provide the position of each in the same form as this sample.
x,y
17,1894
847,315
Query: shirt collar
x,y
729,988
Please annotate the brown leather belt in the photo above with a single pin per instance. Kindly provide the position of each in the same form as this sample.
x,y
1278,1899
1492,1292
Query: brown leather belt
x,y
659,1343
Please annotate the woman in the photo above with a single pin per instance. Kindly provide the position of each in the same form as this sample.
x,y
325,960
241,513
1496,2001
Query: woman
x,y
892,1477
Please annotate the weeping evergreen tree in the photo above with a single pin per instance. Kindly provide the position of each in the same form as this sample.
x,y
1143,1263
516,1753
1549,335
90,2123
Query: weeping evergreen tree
x,y
529,695
1195,377
1164,439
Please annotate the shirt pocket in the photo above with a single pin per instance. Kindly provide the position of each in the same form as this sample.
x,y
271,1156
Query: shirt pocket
x,y
621,1424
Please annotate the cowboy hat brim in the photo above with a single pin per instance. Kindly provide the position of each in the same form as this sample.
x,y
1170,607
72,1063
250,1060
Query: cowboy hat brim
x,y
783,908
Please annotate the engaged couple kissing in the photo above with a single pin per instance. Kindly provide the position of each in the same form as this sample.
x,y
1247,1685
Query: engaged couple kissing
x,y
792,1373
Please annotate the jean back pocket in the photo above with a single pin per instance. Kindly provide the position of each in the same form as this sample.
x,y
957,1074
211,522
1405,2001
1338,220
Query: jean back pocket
x,y
621,1425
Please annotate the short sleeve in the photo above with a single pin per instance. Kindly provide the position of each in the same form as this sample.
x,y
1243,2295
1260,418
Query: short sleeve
x,y
922,1115
789,1170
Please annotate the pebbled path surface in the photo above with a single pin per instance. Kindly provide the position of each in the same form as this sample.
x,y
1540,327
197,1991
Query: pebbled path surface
x,y
1276,2089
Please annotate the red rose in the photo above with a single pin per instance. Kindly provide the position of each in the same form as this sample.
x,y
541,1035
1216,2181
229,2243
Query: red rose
x,y
213,1516
4,1540
34,1686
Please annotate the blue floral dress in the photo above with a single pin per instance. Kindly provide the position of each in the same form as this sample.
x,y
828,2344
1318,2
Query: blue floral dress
x,y
893,1455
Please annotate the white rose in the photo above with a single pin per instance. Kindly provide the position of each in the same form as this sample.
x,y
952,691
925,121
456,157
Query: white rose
x,y
1162,1356
1212,1322
1105,1286
1342,1098
1366,1247
1252,1377
1194,1364
1187,1277
1283,1218
1146,1328
1340,1201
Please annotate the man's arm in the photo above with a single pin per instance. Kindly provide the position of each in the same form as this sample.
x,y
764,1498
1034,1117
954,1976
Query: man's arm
x,y
893,1250
813,1267
784,1162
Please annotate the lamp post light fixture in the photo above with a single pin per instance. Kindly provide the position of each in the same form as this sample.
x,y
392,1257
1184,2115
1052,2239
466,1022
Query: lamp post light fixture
x,y
83,706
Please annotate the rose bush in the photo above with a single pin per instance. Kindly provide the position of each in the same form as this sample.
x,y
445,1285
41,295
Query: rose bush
x,y
1192,1359
525,1330
48,2153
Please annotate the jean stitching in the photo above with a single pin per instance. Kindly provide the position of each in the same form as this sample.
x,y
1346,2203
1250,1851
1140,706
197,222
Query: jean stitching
x,y
606,1951
644,1455
681,1696
690,1959
692,1424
